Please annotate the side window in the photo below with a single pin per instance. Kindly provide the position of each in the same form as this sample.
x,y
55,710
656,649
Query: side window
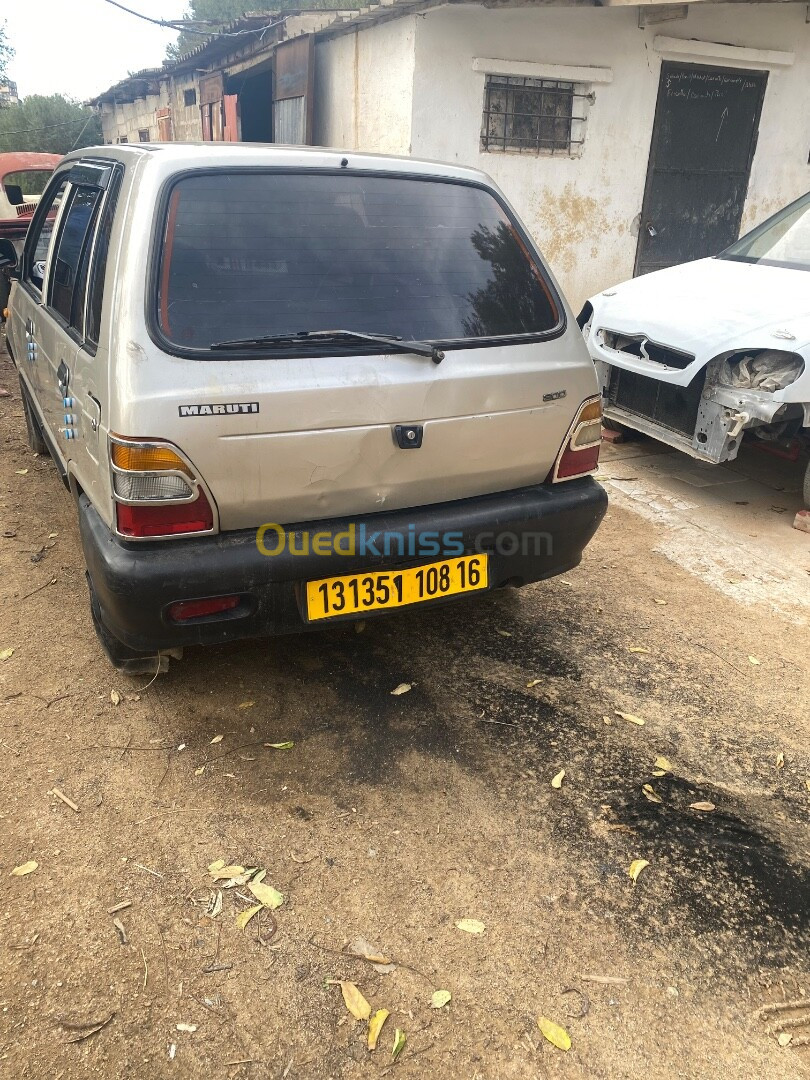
x,y
100,262
39,237
67,281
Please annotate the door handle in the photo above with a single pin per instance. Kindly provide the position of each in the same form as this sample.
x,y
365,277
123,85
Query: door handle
x,y
29,327
651,229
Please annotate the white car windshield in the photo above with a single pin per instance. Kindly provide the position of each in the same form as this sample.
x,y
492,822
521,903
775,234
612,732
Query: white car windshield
x,y
783,240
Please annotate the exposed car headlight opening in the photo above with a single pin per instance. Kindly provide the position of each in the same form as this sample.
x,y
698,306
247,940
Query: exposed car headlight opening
x,y
767,370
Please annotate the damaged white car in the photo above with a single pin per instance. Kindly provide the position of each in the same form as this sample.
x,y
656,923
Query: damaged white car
x,y
697,354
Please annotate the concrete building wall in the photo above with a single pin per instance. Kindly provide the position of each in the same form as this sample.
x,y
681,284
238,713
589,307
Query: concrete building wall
x,y
364,88
127,119
186,121
584,210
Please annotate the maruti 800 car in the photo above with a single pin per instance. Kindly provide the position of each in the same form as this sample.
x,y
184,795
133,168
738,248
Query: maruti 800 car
x,y
288,387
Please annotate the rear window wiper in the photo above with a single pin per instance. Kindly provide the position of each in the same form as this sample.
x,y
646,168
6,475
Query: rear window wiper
x,y
421,348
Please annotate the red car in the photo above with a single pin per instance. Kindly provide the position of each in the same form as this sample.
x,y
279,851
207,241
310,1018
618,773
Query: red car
x,y
23,177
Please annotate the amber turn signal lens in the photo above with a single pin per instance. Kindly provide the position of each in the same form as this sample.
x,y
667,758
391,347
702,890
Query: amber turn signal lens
x,y
591,411
147,459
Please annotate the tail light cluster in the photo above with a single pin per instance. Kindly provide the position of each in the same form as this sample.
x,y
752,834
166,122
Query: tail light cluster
x,y
156,491
579,453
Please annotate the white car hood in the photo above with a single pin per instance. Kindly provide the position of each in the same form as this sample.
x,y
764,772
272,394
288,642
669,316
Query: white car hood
x,y
707,308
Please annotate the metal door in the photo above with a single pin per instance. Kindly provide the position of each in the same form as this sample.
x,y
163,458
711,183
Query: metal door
x,y
703,141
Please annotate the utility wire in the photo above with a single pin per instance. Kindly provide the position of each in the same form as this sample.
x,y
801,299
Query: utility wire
x,y
89,118
47,127
182,25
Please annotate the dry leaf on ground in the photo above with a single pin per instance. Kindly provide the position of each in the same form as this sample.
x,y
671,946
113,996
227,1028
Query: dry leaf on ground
x,y
630,718
663,764
6,654
266,894
353,999
754,660
558,779
780,760
440,998
246,704
216,739
651,794
636,866
555,1034
280,745
222,872
115,697
244,917
403,688
375,1027
26,868
366,951
400,1038
471,926
638,649
533,682
706,807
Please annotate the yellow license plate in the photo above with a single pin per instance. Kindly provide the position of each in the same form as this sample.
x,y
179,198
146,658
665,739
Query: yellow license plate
x,y
355,594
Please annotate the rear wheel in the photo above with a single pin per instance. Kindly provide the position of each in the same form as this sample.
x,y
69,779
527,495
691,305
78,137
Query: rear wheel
x,y
807,486
122,658
35,439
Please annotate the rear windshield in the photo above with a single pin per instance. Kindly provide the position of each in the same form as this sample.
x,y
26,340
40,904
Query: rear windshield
x,y
252,254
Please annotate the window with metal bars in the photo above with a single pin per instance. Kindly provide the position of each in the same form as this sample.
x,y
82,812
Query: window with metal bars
x,y
532,115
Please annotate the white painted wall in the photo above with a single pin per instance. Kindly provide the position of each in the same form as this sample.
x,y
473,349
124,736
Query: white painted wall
x,y
582,210
364,88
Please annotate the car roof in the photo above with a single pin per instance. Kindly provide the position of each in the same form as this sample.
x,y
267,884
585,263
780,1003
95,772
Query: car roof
x,y
207,155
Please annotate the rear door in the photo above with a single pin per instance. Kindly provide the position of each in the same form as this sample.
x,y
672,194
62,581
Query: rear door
x,y
37,329
703,142
62,316
309,431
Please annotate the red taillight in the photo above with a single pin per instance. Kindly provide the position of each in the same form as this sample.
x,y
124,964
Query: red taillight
x,y
167,519
579,454
195,609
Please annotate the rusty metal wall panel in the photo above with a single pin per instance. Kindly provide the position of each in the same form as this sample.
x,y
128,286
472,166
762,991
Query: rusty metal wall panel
x,y
163,118
294,81
212,88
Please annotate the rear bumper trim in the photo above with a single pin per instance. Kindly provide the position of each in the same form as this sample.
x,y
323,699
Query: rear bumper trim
x,y
530,534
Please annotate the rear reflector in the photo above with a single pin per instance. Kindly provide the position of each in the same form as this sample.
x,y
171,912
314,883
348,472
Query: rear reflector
x,y
170,519
195,609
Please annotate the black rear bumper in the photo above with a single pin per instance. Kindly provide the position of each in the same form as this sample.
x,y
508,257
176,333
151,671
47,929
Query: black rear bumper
x,y
530,534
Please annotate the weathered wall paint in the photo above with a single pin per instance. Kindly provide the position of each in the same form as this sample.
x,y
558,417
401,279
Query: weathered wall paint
x,y
364,88
126,120
583,210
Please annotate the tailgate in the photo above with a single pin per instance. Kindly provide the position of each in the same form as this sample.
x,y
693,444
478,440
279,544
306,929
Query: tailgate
x,y
322,443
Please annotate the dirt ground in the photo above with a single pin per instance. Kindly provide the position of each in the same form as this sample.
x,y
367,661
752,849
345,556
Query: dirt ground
x,y
394,817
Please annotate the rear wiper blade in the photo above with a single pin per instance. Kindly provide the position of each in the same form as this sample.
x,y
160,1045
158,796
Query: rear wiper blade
x,y
421,348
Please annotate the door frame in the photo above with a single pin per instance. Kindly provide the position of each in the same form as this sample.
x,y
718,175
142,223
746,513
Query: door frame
x,y
651,158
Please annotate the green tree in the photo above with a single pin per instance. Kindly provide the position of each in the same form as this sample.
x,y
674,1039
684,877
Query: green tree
x,y
6,51
48,125
210,16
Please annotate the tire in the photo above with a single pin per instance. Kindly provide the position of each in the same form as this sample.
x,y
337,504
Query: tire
x,y
5,289
807,486
35,440
122,658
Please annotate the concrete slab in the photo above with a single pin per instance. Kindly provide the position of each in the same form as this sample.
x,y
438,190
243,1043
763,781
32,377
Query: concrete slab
x,y
730,524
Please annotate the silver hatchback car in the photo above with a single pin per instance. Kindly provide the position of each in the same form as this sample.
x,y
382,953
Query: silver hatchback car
x,y
288,387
